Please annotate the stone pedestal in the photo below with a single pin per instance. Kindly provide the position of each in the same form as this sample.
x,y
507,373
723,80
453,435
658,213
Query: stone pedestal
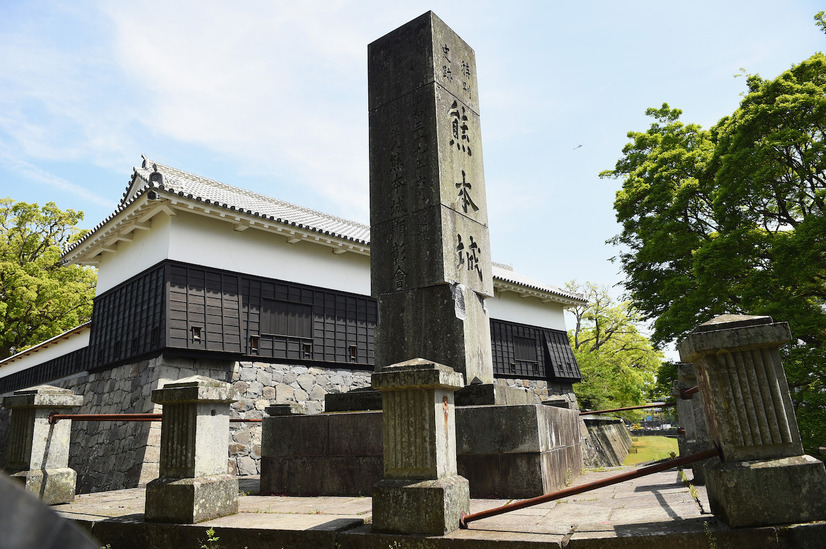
x,y
193,485
421,492
763,477
692,419
38,452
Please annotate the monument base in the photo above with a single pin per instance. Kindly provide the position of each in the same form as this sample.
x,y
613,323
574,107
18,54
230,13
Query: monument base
x,y
767,492
431,507
191,500
504,451
478,394
51,486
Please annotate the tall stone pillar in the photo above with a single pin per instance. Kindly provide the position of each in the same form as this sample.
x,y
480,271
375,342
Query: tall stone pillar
x,y
193,485
430,250
763,477
38,451
692,419
421,492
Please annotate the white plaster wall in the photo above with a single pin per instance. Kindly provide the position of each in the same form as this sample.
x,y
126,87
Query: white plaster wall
x,y
58,349
204,241
146,249
528,310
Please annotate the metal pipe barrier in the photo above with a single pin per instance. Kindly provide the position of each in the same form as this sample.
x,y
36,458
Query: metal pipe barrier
x,y
640,407
685,394
616,479
54,418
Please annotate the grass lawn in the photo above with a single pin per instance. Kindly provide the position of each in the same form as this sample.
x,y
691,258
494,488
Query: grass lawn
x,y
650,449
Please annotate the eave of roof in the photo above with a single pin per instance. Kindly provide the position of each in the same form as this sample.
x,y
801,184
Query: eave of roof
x,y
68,334
147,195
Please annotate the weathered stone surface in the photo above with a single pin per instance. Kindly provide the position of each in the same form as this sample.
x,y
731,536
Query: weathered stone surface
x,y
767,492
692,419
52,486
431,507
191,500
446,324
743,385
606,442
752,422
38,451
430,252
193,484
479,394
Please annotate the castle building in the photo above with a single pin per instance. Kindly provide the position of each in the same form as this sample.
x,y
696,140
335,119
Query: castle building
x,y
200,277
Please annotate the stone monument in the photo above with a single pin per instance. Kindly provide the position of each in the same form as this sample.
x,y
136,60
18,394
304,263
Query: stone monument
x,y
763,477
431,273
430,250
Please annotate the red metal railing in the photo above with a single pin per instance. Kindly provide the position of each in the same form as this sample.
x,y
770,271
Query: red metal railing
x,y
54,418
616,479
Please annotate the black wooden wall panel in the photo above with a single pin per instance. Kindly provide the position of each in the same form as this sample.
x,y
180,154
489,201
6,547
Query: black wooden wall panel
x,y
555,360
125,317
227,308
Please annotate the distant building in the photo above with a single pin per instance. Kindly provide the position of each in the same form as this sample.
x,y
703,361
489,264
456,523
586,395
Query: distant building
x,y
196,276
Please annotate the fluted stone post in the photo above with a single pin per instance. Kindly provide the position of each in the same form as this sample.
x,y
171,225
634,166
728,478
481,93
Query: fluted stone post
x,y
193,485
421,492
763,477
38,452
692,419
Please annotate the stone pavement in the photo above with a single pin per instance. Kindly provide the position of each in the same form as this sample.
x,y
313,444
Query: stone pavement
x,y
658,511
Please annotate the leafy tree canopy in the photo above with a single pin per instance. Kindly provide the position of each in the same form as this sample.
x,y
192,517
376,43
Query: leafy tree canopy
x,y
733,220
618,363
39,297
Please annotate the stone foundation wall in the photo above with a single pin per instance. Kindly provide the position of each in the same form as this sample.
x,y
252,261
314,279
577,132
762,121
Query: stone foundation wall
x,y
544,390
605,441
115,455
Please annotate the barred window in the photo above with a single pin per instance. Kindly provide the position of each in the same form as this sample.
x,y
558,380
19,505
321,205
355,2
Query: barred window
x,y
286,318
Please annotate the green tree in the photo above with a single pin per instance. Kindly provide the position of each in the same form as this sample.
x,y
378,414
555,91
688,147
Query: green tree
x,y
733,220
617,362
39,297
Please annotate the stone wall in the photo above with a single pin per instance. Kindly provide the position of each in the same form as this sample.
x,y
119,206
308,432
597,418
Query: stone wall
x,y
259,384
115,455
605,441
544,390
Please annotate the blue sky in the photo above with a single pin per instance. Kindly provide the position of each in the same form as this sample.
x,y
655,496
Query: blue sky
x,y
272,96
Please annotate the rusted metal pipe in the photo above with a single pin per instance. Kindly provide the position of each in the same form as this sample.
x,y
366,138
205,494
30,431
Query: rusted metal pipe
x,y
640,407
54,418
686,394
616,479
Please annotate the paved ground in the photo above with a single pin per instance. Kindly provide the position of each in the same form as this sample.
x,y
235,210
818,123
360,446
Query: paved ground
x,y
655,511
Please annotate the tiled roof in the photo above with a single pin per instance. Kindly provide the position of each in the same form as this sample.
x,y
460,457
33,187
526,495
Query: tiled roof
x,y
166,179
505,273
220,194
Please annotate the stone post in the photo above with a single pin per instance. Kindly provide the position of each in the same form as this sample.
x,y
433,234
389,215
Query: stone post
x,y
692,419
421,492
193,485
38,452
763,477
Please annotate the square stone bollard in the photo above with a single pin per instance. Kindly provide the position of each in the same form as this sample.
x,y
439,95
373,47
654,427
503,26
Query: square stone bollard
x,y
38,451
194,484
421,492
692,419
763,478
